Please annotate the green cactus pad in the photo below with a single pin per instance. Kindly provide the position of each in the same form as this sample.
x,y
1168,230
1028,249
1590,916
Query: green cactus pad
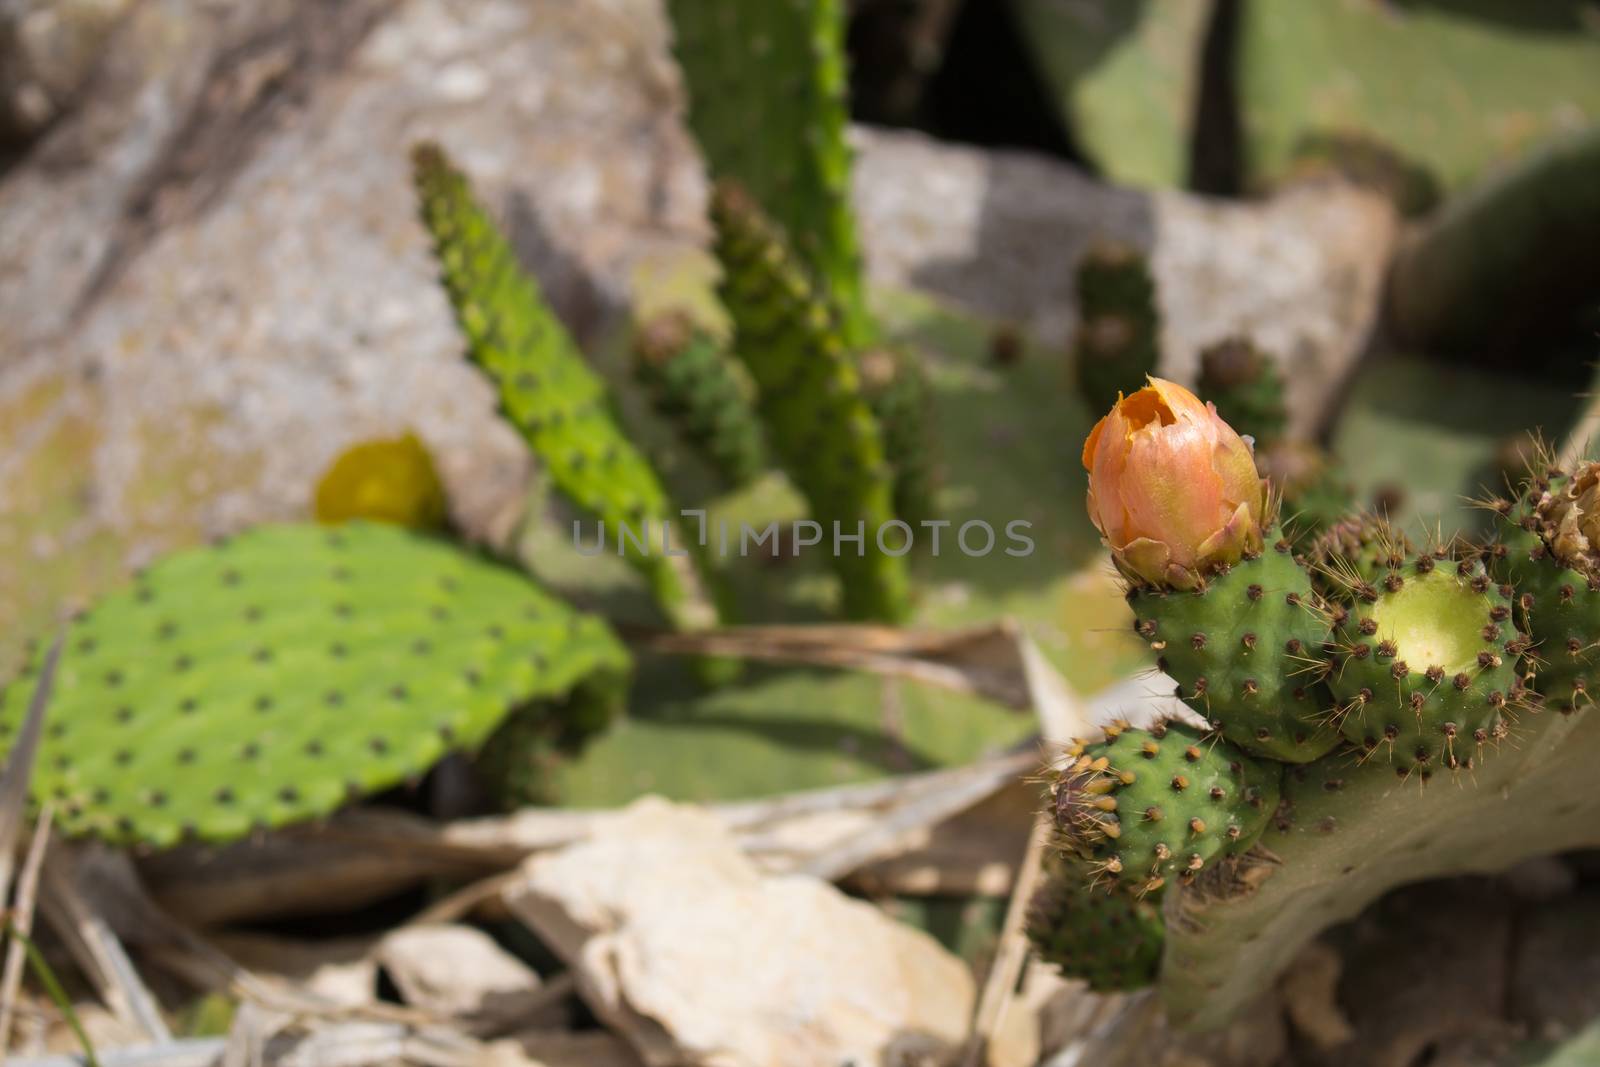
x,y
1110,939
560,406
272,677
695,382
1119,326
1247,388
817,418
779,68
897,390
1144,806
1428,664
1247,653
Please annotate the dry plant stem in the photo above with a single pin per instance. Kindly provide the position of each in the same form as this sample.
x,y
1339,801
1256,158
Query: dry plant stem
x,y
22,921
18,770
1012,954
97,950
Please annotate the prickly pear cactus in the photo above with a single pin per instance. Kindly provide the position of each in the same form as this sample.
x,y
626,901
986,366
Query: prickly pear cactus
x,y
811,401
1427,665
1146,806
694,381
519,762
388,480
897,390
779,68
1545,551
550,394
1247,388
1119,325
1246,651
1112,940
272,677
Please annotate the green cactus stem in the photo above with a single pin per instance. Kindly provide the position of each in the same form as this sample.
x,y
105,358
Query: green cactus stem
x,y
817,418
1119,325
779,68
547,390
695,382
1143,807
896,387
1112,940
274,676
1247,388
1246,650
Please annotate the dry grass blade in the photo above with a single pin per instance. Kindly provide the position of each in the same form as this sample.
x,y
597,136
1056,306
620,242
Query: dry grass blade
x,y
22,922
18,772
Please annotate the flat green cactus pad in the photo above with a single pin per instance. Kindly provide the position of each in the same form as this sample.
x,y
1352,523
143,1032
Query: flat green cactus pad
x,y
273,676
1452,88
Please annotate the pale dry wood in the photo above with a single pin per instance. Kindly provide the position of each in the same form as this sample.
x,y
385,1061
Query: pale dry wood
x,y
1012,955
21,921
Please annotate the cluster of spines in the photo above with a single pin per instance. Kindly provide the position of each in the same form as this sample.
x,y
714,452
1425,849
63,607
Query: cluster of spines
x,y
693,380
548,390
780,67
896,387
1119,326
811,399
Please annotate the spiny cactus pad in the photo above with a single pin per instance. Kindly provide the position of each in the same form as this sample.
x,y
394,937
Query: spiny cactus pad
x,y
272,677
1110,939
779,67
1247,652
811,400
1119,325
547,390
1427,665
1145,806
694,381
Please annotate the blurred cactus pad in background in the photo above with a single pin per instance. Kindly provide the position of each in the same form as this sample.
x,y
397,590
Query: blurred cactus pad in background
x,y
479,409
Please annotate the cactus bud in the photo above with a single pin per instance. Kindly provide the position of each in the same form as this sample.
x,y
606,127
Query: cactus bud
x,y
1173,489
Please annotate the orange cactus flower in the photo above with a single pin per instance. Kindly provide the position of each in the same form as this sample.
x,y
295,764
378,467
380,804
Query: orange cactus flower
x,y
1173,489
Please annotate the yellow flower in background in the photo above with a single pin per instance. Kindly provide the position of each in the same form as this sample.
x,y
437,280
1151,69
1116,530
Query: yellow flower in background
x,y
388,480
1173,489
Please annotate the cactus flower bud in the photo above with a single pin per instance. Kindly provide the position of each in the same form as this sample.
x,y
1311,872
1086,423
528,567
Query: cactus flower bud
x,y
1173,489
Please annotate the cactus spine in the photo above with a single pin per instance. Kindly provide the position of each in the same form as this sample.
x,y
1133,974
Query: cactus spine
x,y
811,399
548,391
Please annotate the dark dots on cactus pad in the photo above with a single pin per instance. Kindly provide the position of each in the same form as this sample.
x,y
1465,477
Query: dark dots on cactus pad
x,y
113,678
340,574
186,756
439,614
231,577
1461,681
144,594
167,630
86,645
333,698
398,692
1197,642
312,748
1367,627
343,610
122,757
338,650
264,702
223,796
251,751
1435,674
